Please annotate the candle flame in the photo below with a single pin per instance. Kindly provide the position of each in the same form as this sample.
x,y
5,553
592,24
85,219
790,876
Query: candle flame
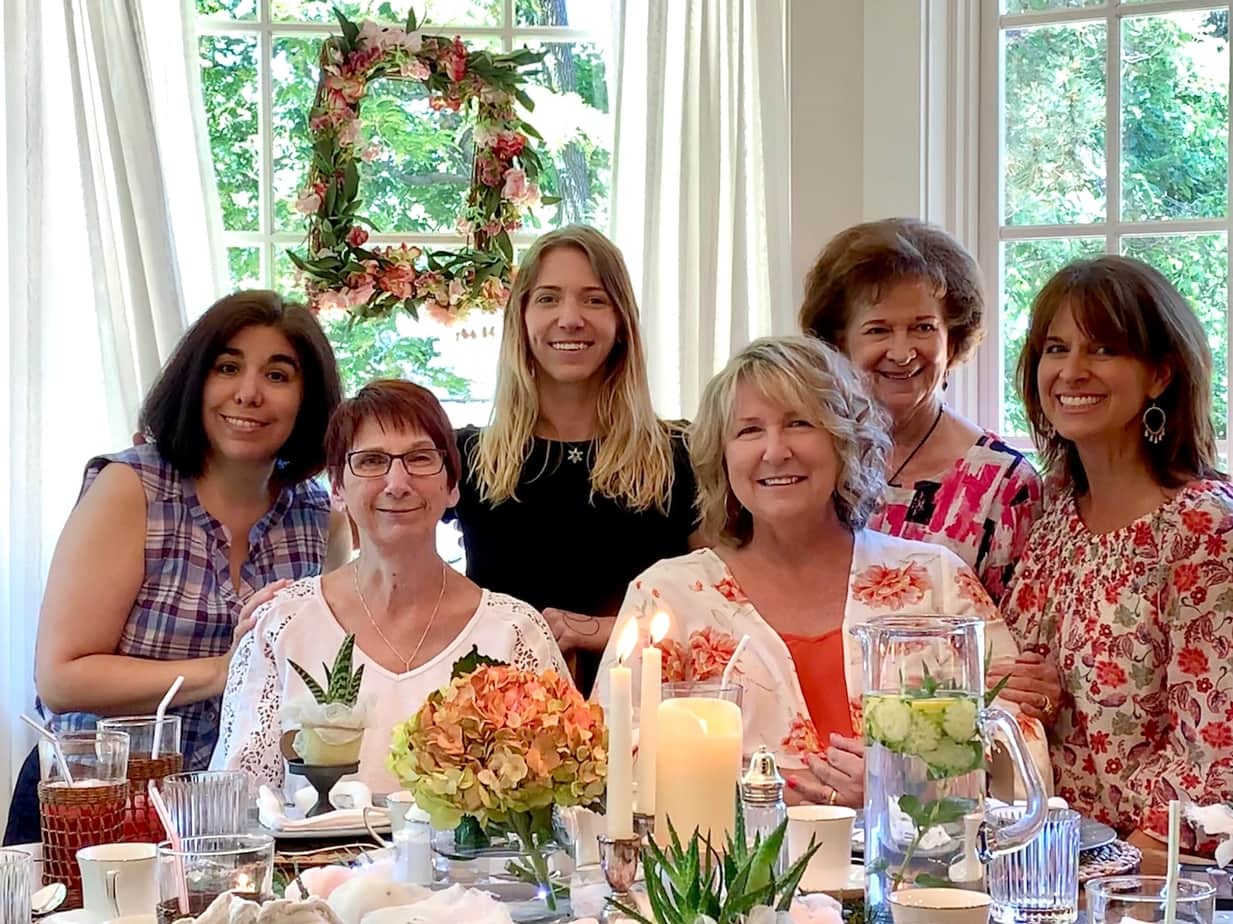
x,y
659,627
627,642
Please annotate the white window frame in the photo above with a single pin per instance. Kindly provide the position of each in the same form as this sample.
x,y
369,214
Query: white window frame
x,y
266,239
991,369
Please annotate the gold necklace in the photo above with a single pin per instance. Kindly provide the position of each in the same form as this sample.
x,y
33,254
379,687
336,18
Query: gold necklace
x,y
406,662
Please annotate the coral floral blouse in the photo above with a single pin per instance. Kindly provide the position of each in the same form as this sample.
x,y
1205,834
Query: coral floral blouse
x,y
1140,622
709,612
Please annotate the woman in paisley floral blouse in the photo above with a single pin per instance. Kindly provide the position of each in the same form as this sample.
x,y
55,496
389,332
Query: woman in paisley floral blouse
x,y
1126,585
789,454
902,299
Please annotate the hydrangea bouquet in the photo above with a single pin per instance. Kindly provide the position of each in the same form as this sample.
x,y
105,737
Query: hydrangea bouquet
x,y
503,746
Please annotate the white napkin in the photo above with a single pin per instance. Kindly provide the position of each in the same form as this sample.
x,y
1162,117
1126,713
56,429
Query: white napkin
x,y
230,909
349,798
449,906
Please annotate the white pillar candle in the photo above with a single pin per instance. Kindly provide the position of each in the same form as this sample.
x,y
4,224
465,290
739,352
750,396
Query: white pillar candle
x,y
698,768
620,802
648,715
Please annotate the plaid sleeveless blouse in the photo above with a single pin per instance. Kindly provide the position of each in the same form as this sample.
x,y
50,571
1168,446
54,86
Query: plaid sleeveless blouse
x,y
187,606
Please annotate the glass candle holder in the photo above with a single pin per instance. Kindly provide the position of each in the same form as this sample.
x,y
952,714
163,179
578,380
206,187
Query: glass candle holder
x,y
197,870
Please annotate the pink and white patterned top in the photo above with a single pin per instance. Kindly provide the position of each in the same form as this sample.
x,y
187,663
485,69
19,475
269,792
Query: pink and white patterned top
x,y
710,612
1140,621
982,509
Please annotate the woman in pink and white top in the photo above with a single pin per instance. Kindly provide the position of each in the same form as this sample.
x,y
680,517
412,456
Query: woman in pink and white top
x,y
1126,586
789,454
902,299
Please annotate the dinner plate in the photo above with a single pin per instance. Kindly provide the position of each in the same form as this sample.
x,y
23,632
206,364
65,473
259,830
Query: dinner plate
x,y
1092,834
76,916
330,834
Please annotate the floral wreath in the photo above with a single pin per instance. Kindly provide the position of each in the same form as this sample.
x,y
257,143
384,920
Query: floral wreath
x,y
339,271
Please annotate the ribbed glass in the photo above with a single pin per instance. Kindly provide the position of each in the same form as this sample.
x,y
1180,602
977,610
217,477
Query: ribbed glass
x,y
1040,883
16,873
208,802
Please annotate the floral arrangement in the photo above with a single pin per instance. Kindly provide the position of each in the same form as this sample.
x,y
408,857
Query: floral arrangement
x,y
341,272
503,746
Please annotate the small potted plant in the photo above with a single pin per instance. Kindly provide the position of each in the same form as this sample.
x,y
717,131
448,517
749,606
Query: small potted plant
x,y
331,726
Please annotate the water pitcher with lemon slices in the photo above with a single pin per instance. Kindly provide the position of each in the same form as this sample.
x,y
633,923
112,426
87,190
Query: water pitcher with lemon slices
x,y
927,730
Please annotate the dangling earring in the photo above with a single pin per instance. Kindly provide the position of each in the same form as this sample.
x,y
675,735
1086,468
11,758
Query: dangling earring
x,y
1154,431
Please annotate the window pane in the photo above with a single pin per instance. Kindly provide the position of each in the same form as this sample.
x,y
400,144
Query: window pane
x,y
1198,265
1054,124
1175,116
228,9
593,15
441,14
229,90
244,264
293,73
1026,267
1038,6
574,120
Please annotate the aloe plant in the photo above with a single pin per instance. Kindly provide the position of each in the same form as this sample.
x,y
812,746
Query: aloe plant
x,y
341,686
683,882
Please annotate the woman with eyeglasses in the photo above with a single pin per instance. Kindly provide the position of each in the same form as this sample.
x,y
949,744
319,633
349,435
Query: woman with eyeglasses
x,y
393,467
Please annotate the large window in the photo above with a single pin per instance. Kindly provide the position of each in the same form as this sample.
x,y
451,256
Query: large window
x,y
1112,137
259,76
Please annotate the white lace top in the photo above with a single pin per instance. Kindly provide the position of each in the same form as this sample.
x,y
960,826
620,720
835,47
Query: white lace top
x,y
298,625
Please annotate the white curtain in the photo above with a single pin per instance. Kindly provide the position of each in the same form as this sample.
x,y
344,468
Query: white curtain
x,y
107,238
700,187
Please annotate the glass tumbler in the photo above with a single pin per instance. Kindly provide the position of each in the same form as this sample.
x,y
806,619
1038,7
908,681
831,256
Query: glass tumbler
x,y
1115,899
85,811
1039,883
196,870
141,824
16,872
206,802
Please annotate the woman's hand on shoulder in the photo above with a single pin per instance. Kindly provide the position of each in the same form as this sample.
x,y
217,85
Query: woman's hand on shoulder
x,y
244,624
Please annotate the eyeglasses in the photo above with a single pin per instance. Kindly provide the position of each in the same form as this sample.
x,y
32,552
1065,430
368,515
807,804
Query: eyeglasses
x,y
373,463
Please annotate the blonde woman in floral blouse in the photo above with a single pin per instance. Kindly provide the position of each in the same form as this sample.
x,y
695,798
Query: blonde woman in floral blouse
x,y
789,454
1126,586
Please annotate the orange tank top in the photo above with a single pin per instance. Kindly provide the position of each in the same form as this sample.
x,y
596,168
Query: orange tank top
x,y
819,662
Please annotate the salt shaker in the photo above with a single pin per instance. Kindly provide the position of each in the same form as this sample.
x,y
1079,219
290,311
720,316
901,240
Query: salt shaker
x,y
762,802
413,849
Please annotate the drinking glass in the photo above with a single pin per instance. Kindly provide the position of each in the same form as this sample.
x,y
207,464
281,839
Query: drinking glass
x,y
711,689
199,869
1142,898
141,823
85,812
1039,883
16,871
206,802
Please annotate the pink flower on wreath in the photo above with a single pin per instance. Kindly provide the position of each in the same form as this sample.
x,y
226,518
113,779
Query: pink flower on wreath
x,y
509,145
309,202
349,133
347,88
414,68
398,279
329,300
802,737
879,586
360,295
518,189
357,236
709,652
370,153
455,60
495,291
440,313
491,172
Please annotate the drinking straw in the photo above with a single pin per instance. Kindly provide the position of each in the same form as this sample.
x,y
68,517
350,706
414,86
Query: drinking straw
x,y
1173,870
55,745
162,711
736,656
160,809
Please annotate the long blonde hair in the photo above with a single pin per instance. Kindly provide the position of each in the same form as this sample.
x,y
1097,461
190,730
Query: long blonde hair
x,y
634,463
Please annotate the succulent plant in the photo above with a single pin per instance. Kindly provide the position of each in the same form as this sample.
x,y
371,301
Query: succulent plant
x,y
341,686
684,882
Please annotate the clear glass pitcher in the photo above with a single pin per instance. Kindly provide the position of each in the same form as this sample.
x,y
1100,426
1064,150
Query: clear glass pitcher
x,y
927,730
